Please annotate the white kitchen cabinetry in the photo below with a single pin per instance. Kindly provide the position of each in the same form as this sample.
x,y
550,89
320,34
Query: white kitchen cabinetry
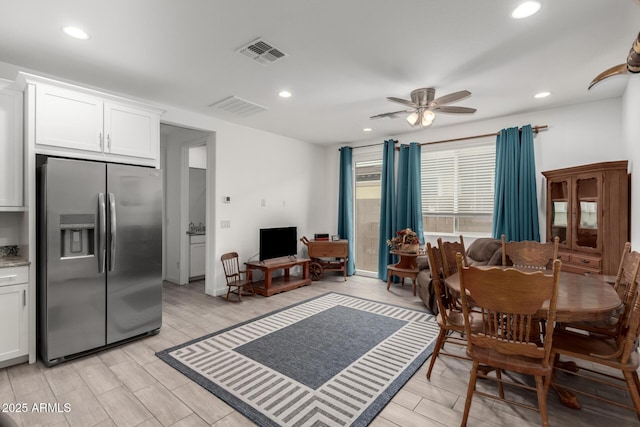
x,y
75,122
11,150
14,320
197,258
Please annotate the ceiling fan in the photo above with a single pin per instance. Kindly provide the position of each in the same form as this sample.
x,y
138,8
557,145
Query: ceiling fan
x,y
424,104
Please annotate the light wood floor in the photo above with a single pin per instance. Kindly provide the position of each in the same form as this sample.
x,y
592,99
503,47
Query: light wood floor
x,y
130,386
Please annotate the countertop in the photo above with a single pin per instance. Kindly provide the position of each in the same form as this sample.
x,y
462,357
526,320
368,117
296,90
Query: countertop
x,y
13,261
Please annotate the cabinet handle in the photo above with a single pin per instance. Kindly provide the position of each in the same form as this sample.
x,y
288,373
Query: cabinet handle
x,y
109,142
24,298
584,261
11,277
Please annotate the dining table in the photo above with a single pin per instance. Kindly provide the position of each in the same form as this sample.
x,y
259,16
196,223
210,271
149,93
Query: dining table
x,y
581,297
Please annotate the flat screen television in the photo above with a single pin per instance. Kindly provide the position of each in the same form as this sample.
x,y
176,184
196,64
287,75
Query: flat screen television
x,y
278,242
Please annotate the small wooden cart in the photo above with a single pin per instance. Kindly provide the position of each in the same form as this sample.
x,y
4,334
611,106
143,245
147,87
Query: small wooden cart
x,y
326,255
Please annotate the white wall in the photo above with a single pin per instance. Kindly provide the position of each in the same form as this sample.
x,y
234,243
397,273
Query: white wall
x,y
631,139
198,157
197,196
250,166
578,134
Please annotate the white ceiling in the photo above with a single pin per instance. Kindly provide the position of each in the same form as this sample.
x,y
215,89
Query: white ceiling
x,y
344,56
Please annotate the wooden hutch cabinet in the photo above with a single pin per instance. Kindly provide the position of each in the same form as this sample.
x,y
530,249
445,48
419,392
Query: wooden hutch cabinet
x,y
588,208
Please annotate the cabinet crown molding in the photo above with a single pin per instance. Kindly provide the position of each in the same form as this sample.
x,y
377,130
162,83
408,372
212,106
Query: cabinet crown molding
x,y
23,79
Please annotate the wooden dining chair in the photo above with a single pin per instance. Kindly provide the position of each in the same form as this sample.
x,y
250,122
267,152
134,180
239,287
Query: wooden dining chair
x,y
618,353
626,285
529,254
510,301
449,251
450,318
236,279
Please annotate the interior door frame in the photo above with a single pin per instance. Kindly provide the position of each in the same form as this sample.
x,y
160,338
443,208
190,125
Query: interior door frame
x,y
184,207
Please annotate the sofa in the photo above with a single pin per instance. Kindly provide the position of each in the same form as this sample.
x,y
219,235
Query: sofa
x,y
482,251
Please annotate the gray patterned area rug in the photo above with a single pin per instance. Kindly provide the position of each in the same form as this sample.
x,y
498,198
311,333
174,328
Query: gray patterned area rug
x,y
332,360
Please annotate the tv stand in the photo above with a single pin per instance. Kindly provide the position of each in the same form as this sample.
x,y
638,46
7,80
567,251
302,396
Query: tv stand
x,y
272,285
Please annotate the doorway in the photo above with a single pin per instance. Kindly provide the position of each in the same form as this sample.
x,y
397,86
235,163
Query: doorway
x,y
367,214
176,143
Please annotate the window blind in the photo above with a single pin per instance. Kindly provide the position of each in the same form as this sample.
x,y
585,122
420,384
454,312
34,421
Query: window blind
x,y
458,181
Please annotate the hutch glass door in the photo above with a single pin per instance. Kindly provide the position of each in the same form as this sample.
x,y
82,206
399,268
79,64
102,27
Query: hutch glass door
x,y
560,212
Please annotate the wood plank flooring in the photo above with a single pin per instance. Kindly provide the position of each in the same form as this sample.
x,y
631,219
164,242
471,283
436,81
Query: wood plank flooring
x,y
129,386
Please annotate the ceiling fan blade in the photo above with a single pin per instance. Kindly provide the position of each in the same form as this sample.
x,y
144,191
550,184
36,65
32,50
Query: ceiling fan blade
x,y
391,115
401,101
452,97
618,69
453,109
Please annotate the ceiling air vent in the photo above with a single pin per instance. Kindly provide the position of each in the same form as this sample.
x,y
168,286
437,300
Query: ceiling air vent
x,y
261,51
239,106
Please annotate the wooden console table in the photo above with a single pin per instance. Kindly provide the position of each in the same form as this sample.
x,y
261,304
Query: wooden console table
x,y
273,285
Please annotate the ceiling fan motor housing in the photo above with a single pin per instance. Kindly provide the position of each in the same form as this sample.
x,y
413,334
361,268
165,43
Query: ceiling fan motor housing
x,y
422,97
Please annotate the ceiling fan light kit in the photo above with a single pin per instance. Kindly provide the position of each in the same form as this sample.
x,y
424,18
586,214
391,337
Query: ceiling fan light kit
x,y
423,118
424,104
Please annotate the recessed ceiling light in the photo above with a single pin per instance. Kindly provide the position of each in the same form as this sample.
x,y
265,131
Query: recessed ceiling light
x,y
284,94
76,33
542,95
367,129
525,9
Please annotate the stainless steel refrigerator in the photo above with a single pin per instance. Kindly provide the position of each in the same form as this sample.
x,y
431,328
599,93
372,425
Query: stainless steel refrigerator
x,y
99,255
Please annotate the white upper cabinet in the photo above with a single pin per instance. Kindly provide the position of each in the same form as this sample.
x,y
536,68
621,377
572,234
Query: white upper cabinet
x,y
11,150
131,131
68,119
75,122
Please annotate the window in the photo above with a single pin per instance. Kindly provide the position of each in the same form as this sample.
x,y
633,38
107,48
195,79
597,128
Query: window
x,y
457,190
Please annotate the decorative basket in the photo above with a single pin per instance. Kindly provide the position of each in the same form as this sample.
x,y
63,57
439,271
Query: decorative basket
x,y
411,248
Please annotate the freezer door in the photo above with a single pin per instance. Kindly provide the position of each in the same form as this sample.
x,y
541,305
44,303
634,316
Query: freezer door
x,y
134,261
73,306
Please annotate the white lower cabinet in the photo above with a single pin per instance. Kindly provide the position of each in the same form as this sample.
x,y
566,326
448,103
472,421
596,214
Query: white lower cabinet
x,y
14,317
197,258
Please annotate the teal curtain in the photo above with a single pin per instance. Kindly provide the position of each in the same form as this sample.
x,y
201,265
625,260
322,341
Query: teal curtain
x,y
515,211
345,205
409,210
529,228
387,208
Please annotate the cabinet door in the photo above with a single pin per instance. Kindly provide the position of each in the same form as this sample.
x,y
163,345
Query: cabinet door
x,y
68,119
11,148
197,260
587,212
130,131
559,211
13,321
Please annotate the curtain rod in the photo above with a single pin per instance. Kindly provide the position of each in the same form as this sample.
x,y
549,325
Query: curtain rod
x,y
535,129
395,141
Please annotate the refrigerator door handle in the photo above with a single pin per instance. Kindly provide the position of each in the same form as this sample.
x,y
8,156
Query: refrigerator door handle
x,y
102,236
112,231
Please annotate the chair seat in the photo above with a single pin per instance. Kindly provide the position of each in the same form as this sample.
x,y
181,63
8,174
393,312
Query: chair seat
x,y
455,321
579,345
511,362
239,283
